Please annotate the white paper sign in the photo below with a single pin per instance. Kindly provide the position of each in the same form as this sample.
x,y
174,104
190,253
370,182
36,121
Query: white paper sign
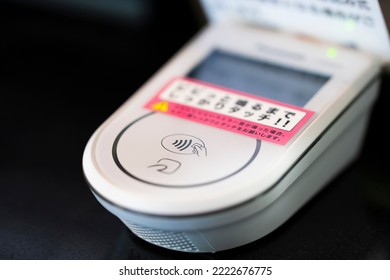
x,y
356,23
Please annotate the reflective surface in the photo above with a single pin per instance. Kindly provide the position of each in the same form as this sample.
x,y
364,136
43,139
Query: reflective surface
x,y
274,81
64,72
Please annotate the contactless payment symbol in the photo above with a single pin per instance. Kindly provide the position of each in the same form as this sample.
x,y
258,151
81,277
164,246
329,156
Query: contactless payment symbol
x,y
184,144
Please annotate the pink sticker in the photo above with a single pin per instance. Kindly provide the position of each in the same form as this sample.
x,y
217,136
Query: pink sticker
x,y
231,110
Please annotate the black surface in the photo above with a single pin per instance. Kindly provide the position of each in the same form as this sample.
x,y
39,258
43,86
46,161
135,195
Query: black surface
x,y
63,73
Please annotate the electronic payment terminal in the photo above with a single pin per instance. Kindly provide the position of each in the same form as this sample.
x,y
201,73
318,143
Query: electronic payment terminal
x,y
244,125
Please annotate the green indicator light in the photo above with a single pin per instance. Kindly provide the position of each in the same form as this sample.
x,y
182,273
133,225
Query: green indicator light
x,y
350,25
331,52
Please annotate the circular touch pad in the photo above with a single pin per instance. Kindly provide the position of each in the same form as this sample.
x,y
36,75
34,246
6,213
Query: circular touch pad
x,y
167,151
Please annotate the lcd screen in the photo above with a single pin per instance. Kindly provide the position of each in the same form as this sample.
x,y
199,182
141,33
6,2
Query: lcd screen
x,y
277,82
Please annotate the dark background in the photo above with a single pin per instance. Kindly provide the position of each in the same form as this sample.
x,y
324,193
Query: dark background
x,y
65,68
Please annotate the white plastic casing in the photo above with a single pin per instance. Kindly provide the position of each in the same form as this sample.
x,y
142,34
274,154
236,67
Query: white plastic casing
x,y
244,188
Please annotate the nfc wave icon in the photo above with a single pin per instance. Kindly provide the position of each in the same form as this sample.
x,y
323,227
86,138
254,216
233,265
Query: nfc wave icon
x,y
184,144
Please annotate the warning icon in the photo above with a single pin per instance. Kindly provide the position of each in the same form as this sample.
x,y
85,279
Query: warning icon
x,y
160,106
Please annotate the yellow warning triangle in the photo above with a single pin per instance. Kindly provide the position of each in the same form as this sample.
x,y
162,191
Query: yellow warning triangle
x,y
160,106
